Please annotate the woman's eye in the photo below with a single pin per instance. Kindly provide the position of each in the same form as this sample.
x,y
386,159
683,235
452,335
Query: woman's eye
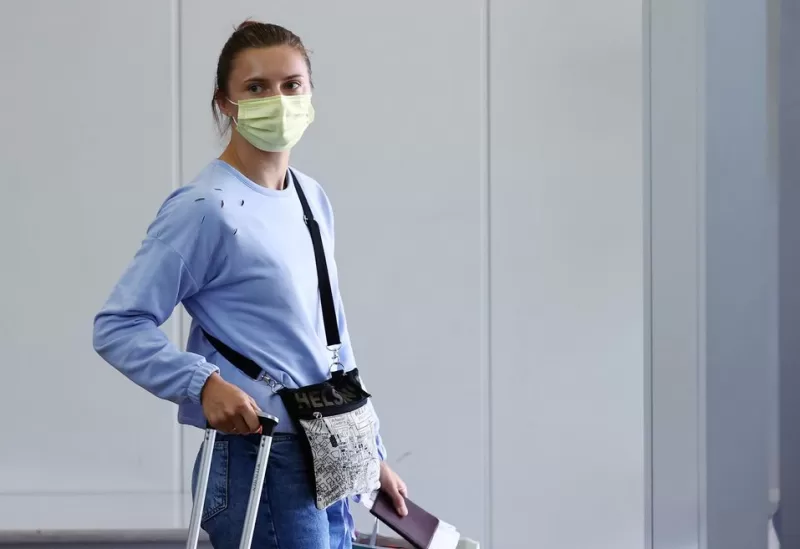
x,y
294,85
255,88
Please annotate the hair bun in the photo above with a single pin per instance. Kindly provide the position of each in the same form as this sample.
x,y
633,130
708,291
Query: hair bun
x,y
248,23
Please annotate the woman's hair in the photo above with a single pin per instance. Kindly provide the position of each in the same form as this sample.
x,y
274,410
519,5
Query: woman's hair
x,y
250,34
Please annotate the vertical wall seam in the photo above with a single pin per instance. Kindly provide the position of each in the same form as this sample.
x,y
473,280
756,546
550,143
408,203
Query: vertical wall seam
x,y
486,272
177,181
700,282
773,34
647,227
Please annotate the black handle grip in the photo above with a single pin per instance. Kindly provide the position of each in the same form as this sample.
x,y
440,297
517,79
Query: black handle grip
x,y
268,424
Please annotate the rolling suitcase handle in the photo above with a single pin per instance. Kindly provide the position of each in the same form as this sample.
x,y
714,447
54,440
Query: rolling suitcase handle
x,y
268,424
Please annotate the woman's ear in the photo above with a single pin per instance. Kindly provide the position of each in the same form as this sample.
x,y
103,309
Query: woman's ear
x,y
227,108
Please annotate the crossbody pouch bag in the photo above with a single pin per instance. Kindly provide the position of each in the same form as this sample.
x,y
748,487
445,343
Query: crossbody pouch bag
x,y
335,417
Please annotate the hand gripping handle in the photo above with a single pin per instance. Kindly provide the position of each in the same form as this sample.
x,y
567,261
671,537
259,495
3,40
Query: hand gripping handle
x,y
266,421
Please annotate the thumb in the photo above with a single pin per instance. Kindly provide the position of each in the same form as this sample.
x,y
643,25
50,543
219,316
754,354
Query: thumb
x,y
257,410
399,501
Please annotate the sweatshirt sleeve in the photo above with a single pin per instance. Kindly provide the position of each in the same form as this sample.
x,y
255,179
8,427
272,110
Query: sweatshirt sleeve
x,y
171,264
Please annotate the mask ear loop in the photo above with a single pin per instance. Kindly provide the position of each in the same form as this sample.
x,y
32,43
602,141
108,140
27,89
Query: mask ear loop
x,y
237,106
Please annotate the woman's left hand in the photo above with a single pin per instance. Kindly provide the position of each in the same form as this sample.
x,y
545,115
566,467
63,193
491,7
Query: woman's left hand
x,y
393,486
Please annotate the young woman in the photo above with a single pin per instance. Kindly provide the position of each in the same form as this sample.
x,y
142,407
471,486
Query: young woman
x,y
233,247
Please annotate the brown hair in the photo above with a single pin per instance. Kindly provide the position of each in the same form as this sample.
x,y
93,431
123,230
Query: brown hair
x,y
250,34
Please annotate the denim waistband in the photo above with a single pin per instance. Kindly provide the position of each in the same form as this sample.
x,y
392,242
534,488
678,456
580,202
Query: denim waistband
x,y
256,438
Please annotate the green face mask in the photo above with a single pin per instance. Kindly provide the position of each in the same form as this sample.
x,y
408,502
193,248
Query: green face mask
x,y
274,123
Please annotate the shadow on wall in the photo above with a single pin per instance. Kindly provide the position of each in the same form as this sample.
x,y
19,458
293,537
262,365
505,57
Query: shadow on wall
x,y
774,534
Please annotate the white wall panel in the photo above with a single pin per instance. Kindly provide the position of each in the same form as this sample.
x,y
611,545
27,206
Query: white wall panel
x,y
567,376
86,156
676,142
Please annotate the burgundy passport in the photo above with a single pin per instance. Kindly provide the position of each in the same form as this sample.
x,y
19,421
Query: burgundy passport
x,y
419,528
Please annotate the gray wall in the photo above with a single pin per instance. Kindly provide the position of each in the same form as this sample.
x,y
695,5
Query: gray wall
x,y
790,271
740,275
485,163
713,207
773,119
673,70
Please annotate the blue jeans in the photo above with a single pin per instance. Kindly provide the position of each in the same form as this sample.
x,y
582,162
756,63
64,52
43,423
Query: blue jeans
x,y
287,517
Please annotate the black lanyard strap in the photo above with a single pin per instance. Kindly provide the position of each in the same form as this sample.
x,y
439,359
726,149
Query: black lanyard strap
x,y
248,366
324,280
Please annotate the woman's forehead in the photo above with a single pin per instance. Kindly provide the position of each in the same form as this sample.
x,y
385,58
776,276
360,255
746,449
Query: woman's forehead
x,y
277,62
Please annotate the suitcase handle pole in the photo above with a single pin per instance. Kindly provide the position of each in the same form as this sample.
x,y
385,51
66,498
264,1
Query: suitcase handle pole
x,y
202,486
268,424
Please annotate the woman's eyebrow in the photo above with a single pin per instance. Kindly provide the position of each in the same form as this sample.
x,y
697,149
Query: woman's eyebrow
x,y
262,80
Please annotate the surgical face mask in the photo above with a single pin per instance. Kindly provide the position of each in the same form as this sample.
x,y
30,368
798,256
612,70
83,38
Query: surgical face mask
x,y
274,123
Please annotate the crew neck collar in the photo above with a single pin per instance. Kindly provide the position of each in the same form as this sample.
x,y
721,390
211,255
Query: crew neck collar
x,y
287,191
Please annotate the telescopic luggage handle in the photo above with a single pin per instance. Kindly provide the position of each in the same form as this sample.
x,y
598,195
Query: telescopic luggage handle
x,y
268,424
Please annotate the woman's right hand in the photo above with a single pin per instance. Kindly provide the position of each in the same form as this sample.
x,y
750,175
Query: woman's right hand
x,y
227,408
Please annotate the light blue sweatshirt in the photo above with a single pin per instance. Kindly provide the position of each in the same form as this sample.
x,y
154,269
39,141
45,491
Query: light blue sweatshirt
x,y
240,259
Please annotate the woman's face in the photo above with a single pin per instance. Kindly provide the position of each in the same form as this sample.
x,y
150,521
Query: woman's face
x,y
263,72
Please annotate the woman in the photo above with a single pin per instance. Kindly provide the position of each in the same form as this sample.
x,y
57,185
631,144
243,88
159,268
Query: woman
x,y
233,247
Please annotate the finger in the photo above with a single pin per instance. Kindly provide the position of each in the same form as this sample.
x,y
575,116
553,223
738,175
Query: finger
x,y
402,488
221,425
250,418
240,425
256,410
399,501
400,505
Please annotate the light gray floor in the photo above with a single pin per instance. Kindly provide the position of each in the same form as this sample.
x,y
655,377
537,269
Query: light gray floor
x,y
173,545
139,540
117,539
